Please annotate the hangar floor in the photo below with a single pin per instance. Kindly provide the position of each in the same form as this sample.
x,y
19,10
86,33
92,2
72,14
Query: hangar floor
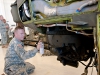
x,y
48,65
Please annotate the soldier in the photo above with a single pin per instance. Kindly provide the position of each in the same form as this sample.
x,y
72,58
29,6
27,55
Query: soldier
x,y
3,32
16,54
7,29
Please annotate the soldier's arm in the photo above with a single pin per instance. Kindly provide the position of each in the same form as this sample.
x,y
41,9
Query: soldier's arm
x,y
23,53
7,25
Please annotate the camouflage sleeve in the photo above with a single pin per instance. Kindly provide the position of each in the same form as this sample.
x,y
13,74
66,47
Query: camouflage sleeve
x,y
25,54
6,24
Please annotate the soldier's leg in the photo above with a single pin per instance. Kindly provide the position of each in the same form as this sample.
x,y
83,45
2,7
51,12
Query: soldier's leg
x,y
3,38
16,70
29,68
7,37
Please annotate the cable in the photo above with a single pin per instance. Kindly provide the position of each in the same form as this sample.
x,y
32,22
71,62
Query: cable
x,y
77,32
84,64
95,49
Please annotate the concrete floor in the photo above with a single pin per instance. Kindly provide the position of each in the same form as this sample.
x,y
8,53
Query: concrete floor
x,y
47,65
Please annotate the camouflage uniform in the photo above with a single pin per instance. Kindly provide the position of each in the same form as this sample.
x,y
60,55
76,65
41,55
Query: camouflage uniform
x,y
7,29
14,59
3,33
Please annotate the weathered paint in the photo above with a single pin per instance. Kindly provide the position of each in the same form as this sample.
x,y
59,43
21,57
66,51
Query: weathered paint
x,y
98,41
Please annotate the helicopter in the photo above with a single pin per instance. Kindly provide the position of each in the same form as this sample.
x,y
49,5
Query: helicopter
x,y
72,28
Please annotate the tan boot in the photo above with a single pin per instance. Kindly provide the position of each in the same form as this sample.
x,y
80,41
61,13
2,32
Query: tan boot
x,y
6,46
3,46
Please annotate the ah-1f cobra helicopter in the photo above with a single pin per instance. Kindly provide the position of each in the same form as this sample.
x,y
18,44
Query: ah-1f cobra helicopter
x,y
72,27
